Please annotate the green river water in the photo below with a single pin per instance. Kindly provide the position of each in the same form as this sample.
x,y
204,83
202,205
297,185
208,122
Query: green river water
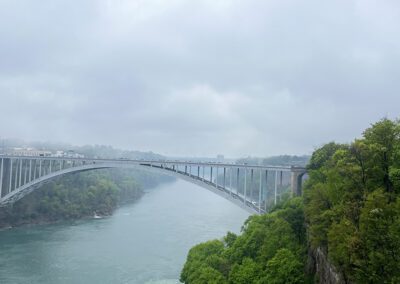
x,y
144,242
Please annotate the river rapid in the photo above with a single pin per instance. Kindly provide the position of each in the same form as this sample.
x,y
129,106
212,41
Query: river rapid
x,y
144,242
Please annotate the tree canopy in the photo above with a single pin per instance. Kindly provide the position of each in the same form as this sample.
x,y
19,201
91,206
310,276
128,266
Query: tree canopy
x,y
267,241
352,205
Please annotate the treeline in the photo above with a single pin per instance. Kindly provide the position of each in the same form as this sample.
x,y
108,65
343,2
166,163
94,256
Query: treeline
x,y
350,211
280,160
79,195
271,249
353,206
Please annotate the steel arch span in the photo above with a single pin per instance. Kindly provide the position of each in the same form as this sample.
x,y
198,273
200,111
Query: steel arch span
x,y
20,175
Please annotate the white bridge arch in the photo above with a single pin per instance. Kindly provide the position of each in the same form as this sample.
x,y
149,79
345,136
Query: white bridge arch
x,y
20,175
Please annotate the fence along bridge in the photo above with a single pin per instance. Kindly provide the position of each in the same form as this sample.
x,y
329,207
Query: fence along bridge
x,y
252,187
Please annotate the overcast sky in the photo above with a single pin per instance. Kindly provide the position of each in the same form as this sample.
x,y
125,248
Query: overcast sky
x,y
198,78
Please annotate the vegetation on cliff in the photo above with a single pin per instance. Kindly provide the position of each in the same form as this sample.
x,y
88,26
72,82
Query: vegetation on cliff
x,y
271,249
352,204
350,207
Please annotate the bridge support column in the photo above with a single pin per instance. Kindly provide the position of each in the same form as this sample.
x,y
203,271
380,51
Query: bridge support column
x,y
237,182
16,174
230,180
20,172
25,171
276,187
259,193
30,170
266,190
251,184
245,185
1,176
296,180
224,177
5,178
216,178
11,168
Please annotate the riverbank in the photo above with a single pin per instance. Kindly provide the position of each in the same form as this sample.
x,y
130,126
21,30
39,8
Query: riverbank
x,y
44,220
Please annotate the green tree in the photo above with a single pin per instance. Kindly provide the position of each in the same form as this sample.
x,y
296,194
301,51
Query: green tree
x,y
379,255
244,258
284,268
343,243
383,137
201,259
248,271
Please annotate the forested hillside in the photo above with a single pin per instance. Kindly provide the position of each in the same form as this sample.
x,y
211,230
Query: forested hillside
x,y
271,249
350,211
353,207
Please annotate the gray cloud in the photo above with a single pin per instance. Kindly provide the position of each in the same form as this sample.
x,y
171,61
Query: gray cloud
x,y
199,77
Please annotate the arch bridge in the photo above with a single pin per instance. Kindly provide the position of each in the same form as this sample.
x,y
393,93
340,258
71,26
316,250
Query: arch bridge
x,y
252,187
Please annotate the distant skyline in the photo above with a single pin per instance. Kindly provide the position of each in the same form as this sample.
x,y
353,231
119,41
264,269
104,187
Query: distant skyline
x,y
198,78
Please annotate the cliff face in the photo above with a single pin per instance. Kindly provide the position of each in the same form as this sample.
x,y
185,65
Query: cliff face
x,y
325,272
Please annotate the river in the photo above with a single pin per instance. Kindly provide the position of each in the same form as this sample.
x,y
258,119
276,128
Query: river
x,y
144,242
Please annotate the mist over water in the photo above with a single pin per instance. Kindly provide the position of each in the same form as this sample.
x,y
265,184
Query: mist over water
x,y
144,242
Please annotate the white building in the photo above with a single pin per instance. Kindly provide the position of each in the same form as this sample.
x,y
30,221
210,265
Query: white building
x,y
29,152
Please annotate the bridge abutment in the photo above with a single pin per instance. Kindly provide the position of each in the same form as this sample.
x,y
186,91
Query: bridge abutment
x,y
297,174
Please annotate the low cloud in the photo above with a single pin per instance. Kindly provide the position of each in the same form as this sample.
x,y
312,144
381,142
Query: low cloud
x,y
198,78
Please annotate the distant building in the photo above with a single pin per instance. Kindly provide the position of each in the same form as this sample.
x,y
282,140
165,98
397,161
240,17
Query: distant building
x,y
32,152
29,152
220,158
73,154
58,154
